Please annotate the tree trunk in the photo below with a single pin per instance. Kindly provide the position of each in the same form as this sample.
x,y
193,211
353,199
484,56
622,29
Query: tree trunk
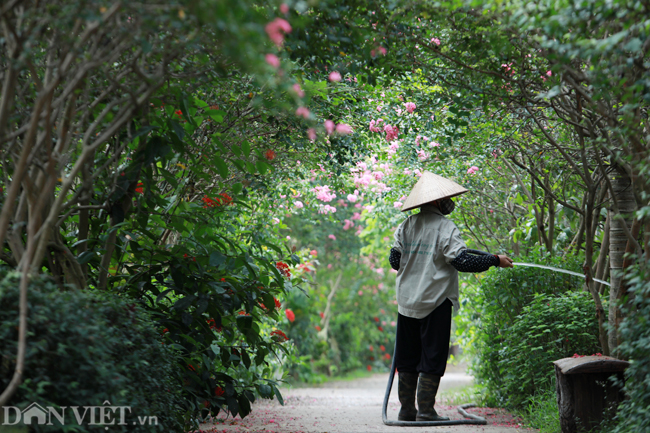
x,y
624,195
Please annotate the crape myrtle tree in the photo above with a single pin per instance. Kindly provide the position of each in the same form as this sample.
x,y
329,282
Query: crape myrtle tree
x,y
141,146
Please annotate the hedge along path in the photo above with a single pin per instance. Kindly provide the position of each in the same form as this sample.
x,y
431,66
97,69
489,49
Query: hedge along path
x,y
355,406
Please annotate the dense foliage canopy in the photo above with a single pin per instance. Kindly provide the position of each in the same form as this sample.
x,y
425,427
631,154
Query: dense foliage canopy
x,y
237,170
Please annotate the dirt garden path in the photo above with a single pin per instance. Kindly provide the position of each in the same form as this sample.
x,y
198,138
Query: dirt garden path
x,y
355,406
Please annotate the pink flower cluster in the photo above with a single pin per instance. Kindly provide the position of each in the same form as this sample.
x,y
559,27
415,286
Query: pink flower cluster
x,y
325,209
391,132
422,155
374,125
392,149
276,30
473,169
332,237
348,224
323,193
335,76
410,107
341,128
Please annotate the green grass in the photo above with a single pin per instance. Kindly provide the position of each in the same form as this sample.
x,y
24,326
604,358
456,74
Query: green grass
x,y
319,378
542,413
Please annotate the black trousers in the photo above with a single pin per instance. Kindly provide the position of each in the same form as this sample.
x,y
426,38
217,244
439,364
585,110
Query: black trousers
x,y
423,344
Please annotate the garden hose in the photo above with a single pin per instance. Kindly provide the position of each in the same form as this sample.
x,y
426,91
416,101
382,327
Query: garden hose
x,y
471,419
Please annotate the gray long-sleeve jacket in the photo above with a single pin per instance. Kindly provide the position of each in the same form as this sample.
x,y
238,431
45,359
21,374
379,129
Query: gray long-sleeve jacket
x,y
428,242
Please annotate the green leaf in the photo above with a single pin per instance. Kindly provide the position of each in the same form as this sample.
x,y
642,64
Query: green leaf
x,y
246,148
85,257
276,391
185,302
262,166
216,258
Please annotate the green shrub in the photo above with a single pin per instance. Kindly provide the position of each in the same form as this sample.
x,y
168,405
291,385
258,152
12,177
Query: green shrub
x,y
634,412
85,348
490,312
548,329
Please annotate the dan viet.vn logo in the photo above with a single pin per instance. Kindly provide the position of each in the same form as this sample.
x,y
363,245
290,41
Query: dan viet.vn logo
x,y
105,415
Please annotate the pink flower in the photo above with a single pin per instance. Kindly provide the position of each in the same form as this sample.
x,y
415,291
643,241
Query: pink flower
x,y
391,132
435,41
298,204
335,76
398,204
348,224
410,107
276,30
473,169
332,237
360,293
356,216
329,127
343,128
323,193
298,90
284,8
352,198
272,60
302,112
325,209
311,133
434,144
422,155
382,50
379,108
329,266
549,73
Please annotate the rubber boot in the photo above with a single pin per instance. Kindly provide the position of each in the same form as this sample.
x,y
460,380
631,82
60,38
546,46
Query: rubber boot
x,y
427,390
406,389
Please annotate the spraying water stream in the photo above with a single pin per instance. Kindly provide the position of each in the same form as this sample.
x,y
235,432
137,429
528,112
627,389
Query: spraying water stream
x,y
564,271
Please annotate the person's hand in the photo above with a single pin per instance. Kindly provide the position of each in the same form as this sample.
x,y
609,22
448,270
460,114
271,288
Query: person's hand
x,y
504,261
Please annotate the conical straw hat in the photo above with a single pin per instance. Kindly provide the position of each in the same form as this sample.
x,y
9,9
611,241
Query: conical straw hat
x,y
429,188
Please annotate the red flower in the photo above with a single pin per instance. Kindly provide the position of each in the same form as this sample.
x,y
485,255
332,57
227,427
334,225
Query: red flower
x,y
371,348
225,198
380,328
290,315
376,319
269,154
218,391
279,336
165,331
387,356
277,303
313,253
322,315
179,113
283,268
243,313
369,368
382,348
190,367
139,189
317,328
208,202
223,280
